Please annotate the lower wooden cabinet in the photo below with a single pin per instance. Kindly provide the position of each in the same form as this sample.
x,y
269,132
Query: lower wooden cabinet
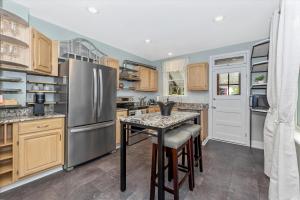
x,y
204,124
122,113
40,145
39,151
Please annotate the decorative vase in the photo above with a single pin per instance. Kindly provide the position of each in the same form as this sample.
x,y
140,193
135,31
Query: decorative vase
x,y
166,108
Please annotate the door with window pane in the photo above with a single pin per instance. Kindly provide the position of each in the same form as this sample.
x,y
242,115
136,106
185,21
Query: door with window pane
x,y
229,99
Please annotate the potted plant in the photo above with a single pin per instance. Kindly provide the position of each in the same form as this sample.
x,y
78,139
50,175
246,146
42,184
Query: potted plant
x,y
260,79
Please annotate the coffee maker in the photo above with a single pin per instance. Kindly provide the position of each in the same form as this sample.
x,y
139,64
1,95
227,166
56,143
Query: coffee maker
x,y
39,107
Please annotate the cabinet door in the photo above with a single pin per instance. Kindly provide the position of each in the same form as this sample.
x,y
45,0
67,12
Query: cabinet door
x,y
144,73
204,124
118,126
113,63
39,151
153,80
198,76
41,52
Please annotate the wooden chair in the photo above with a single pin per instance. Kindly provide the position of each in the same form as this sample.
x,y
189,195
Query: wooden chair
x,y
175,141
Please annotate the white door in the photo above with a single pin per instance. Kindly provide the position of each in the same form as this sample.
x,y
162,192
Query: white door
x,y
229,104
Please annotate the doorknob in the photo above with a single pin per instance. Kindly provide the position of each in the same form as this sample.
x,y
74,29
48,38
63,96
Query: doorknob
x,y
214,107
214,98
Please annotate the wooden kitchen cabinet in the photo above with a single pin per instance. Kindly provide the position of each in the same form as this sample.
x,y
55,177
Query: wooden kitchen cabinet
x,y
204,124
197,76
113,63
152,109
149,79
121,113
40,145
41,50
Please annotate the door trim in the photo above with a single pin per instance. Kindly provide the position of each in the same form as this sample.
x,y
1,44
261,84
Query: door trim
x,y
246,109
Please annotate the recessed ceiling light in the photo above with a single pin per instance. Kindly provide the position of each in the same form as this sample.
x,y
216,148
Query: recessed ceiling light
x,y
147,41
92,10
219,18
170,54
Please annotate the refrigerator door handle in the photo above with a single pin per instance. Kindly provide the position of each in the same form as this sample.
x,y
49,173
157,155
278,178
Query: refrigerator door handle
x,y
95,88
100,102
91,127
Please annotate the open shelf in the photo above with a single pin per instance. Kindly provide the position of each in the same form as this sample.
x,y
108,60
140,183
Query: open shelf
x,y
10,106
129,79
128,69
6,153
10,79
261,49
6,166
13,40
260,66
259,110
47,103
3,90
41,91
6,179
44,83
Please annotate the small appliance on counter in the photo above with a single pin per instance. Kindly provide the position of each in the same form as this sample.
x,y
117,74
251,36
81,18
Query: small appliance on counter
x,y
39,106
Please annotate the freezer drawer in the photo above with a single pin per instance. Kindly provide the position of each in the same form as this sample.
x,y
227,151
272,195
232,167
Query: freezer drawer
x,y
89,142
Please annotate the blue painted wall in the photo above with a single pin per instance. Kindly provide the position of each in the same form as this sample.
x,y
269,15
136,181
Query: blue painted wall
x,y
59,33
203,56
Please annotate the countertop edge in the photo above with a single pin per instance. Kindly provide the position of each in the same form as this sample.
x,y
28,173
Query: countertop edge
x,y
29,118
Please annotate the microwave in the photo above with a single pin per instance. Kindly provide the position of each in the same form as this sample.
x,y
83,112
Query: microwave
x,y
259,101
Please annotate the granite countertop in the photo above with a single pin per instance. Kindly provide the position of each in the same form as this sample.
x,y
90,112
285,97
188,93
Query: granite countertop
x,y
192,106
158,121
14,119
122,109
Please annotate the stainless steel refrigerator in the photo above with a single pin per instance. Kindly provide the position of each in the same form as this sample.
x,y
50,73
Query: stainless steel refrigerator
x,y
90,94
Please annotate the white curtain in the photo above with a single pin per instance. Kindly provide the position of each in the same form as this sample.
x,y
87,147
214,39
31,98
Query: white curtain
x,y
174,65
284,177
270,126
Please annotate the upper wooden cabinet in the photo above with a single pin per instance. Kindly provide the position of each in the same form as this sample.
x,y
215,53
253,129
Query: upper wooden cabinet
x,y
41,52
197,76
148,82
111,62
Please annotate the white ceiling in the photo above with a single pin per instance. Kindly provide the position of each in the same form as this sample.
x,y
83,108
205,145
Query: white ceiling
x,y
177,26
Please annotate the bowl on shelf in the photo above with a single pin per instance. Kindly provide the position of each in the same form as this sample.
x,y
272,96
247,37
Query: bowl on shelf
x,y
166,108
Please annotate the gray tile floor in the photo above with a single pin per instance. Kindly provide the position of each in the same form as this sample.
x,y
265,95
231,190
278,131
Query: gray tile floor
x,y
230,172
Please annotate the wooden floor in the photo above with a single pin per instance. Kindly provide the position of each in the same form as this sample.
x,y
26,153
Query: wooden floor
x,y
230,172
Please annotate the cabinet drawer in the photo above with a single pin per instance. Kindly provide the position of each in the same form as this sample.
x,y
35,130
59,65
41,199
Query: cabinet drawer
x,y
40,125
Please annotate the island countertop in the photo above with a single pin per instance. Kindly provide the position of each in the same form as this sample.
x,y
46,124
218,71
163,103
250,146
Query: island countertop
x,y
158,121
15,119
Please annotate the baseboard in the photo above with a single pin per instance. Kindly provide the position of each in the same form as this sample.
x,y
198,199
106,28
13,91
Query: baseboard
x,y
30,179
257,144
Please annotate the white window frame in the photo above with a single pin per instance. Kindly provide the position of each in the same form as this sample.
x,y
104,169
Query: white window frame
x,y
182,67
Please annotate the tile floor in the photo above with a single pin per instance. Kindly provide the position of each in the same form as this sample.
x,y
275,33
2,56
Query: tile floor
x,y
231,172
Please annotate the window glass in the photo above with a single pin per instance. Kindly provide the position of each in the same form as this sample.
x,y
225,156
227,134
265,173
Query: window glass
x,y
223,78
234,78
228,83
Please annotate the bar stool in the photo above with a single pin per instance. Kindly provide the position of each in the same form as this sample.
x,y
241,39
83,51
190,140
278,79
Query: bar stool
x,y
194,130
174,141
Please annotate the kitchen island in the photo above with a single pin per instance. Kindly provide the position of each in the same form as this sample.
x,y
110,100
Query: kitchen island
x,y
160,124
